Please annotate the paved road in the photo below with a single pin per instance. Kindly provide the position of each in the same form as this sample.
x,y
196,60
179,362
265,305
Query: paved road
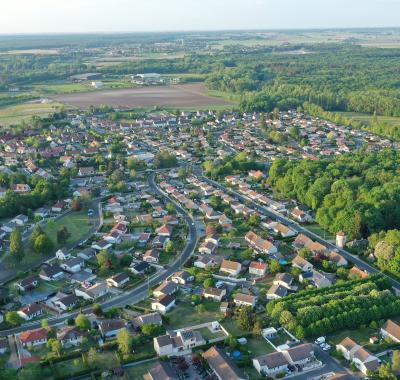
x,y
283,219
142,291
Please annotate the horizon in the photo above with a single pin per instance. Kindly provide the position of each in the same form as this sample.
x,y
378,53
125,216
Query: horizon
x,y
123,16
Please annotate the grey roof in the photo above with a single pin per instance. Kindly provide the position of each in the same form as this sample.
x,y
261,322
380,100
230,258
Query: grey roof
x,y
301,352
273,360
163,371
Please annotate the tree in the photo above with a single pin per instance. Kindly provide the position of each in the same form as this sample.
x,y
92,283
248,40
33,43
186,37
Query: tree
x,y
305,253
200,308
92,358
170,208
396,361
151,329
196,299
13,318
246,318
169,248
208,282
76,204
16,247
274,266
124,340
44,323
164,159
55,346
63,235
43,244
97,309
82,322
257,328
103,258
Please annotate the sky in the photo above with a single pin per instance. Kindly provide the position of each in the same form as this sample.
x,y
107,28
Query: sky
x,y
76,16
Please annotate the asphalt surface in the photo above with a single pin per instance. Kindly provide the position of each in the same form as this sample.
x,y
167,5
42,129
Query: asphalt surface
x,y
295,226
142,291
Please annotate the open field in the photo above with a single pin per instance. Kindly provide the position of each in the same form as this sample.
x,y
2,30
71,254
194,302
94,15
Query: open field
x,y
77,224
23,112
367,119
187,95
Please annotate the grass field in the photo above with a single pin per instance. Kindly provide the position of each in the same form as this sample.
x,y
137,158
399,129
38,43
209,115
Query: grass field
x,y
258,346
317,229
361,336
23,112
77,223
137,371
367,119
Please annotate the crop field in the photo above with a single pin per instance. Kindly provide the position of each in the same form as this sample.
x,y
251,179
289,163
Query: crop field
x,y
179,96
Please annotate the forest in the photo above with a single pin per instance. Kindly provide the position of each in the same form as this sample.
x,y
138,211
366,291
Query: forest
x,y
358,193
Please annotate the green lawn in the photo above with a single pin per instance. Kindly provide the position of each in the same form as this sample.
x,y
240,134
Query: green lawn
x,y
258,346
317,229
232,327
185,315
207,334
367,119
77,223
361,335
19,113
137,371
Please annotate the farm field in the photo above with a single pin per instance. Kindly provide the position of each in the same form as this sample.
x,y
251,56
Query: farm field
x,y
23,112
186,95
367,119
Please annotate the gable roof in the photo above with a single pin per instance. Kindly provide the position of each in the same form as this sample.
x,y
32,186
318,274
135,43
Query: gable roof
x,y
392,328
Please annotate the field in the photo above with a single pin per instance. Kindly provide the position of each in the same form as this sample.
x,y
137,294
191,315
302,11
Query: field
x,y
367,119
23,112
77,224
179,96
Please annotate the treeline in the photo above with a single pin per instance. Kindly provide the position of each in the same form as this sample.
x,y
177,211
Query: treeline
x,y
347,305
358,193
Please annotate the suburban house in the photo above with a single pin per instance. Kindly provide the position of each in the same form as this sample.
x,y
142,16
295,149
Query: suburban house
x,y
284,279
302,263
33,338
337,259
139,268
182,277
163,304
391,330
73,265
271,364
62,254
276,292
358,355
70,336
301,215
231,267
51,273
260,244
166,288
28,283
118,280
242,299
30,312
161,371
147,319
67,302
111,327
223,367
180,343
257,268
215,294
203,262
300,356
151,256
95,291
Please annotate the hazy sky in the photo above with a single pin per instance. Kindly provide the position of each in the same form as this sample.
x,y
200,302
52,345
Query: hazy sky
x,y
35,16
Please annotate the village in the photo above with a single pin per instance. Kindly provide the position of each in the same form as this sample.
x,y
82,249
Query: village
x,y
128,252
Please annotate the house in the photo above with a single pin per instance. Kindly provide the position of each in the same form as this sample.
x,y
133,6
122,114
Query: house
x,y
147,319
161,371
315,278
62,254
111,327
302,264
182,277
73,265
160,242
139,268
215,294
118,280
179,343
32,338
163,304
358,355
300,356
276,292
51,273
87,254
86,171
102,244
41,212
164,230
67,302
208,248
70,336
20,220
337,259
95,291
167,287
242,299
204,262
30,312
271,364
223,367
257,268
270,332
151,256
357,272
231,267
284,279
27,283
21,188
391,330
59,206
301,215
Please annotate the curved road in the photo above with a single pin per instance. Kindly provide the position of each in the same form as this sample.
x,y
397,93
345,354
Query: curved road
x,y
279,217
140,292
